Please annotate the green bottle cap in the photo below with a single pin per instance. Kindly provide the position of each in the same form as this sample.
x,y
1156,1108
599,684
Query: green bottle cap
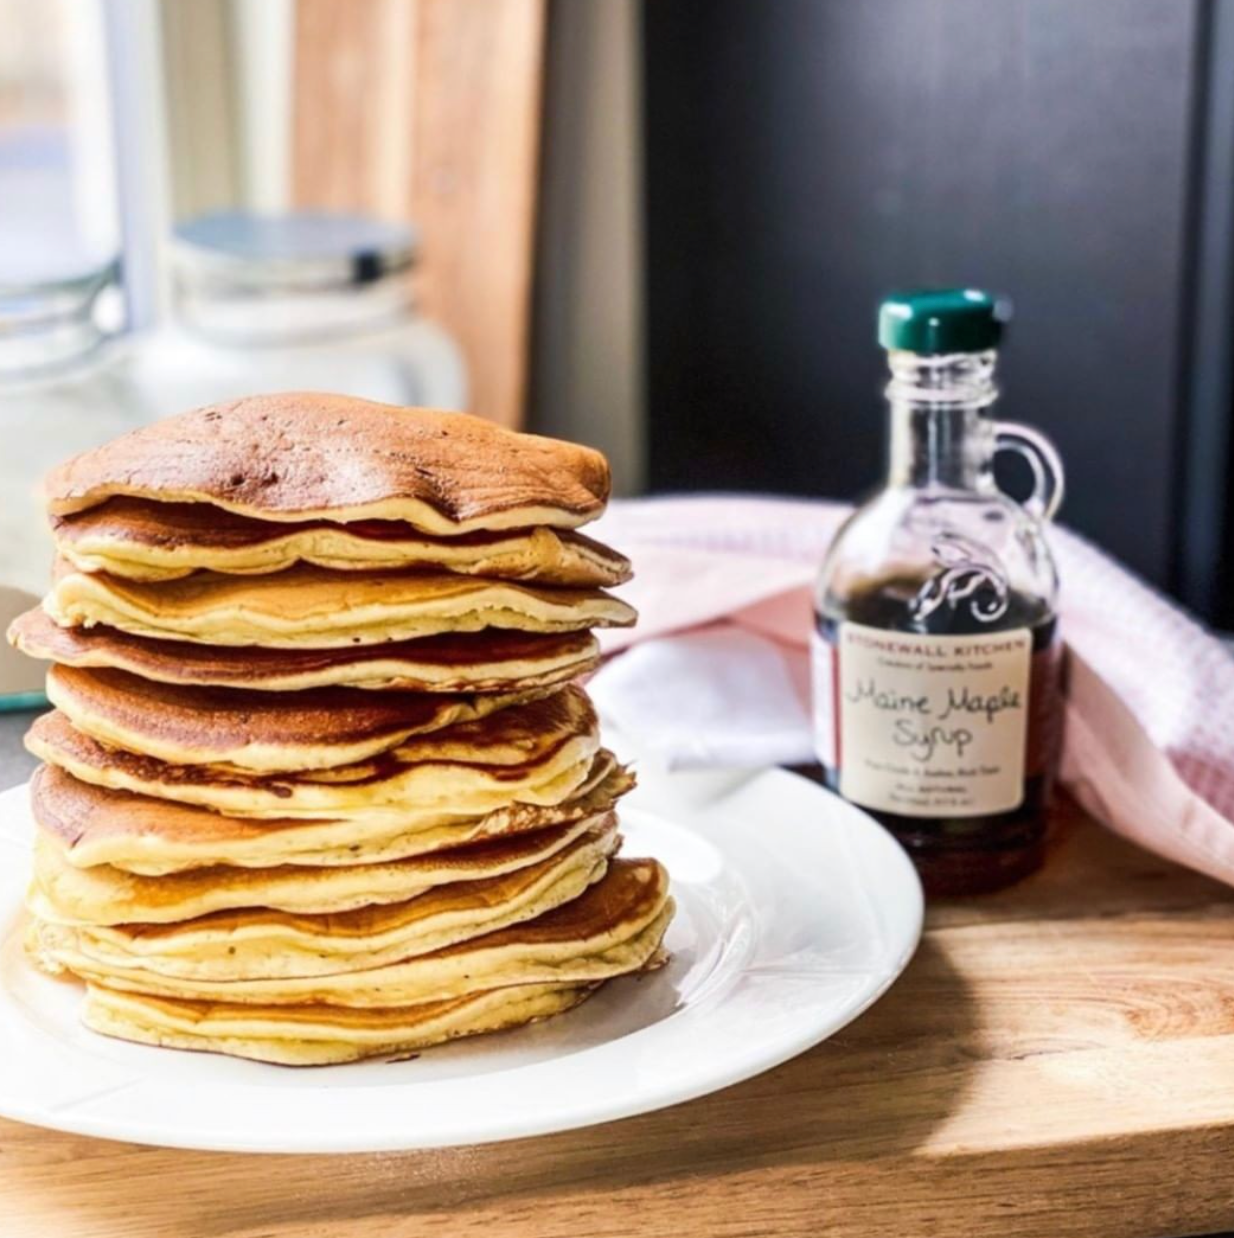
x,y
942,320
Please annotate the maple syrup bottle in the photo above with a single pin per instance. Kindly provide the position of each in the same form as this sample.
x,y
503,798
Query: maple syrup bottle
x,y
936,655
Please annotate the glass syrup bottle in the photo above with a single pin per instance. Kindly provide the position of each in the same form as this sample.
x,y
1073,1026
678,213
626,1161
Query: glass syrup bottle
x,y
936,653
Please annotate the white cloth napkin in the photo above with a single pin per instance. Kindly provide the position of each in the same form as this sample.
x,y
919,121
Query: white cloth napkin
x,y
718,696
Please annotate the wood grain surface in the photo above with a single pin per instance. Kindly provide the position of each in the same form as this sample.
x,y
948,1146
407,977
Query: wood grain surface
x,y
1057,1061
430,110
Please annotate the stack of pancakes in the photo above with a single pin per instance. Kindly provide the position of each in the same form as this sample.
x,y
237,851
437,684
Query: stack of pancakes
x,y
320,782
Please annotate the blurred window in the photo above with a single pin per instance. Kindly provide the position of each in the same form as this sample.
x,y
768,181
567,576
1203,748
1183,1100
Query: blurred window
x,y
57,190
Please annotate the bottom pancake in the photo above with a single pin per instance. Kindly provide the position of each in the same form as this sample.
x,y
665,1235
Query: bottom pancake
x,y
320,1035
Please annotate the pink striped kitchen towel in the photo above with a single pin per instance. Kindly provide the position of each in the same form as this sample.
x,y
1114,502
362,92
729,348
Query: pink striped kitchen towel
x,y
717,672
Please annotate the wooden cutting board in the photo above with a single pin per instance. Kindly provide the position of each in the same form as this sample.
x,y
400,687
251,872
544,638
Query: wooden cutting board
x,y
1058,1060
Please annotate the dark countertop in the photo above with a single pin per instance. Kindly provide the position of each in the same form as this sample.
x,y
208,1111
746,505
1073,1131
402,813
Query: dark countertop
x,y
16,764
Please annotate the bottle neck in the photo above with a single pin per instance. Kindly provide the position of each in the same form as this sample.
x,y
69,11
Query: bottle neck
x,y
941,437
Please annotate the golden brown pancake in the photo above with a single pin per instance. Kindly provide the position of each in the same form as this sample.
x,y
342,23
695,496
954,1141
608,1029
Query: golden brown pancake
x,y
275,732
306,455
103,895
316,608
143,540
94,825
258,943
489,661
539,753
320,1035
613,928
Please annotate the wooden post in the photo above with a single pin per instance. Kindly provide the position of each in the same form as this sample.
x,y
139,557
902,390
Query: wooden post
x,y
430,110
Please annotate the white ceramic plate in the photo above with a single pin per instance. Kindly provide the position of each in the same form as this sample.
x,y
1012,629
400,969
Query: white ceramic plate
x,y
795,911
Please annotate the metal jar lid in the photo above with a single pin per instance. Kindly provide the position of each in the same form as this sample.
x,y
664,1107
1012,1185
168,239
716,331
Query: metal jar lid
x,y
299,250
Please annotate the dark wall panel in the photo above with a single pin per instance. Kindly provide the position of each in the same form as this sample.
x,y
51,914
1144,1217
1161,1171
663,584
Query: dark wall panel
x,y
803,156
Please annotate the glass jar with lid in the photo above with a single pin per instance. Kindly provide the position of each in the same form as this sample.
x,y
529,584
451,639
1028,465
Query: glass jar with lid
x,y
64,388
310,301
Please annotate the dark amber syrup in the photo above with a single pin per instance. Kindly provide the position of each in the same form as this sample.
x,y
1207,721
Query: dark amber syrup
x,y
971,855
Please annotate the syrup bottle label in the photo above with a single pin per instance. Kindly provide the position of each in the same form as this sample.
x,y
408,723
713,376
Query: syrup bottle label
x,y
923,725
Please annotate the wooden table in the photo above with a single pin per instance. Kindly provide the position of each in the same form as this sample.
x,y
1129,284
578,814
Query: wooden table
x,y
1058,1060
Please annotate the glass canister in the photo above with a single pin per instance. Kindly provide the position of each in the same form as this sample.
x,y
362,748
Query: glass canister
x,y
63,388
308,301
936,655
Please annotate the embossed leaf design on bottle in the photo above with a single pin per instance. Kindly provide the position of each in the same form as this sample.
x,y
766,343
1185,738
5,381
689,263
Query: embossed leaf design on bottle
x,y
970,573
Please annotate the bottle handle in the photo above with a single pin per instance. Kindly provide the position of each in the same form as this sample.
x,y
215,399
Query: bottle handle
x,y
1042,458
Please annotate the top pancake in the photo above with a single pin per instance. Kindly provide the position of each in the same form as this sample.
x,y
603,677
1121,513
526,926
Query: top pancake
x,y
143,540
305,455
